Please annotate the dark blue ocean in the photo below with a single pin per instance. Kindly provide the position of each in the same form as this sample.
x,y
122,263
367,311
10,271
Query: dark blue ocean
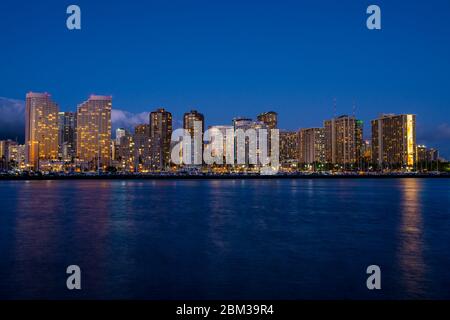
x,y
225,239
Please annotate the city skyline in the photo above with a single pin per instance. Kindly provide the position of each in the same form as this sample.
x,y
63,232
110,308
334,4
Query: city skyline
x,y
128,121
337,145
295,58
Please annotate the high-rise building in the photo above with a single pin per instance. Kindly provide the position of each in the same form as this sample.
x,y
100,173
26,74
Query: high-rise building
x,y
288,146
41,129
311,145
120,132
421,153
67,135
217,147
142,147
160,135
4,146
394,141
424,154
16,155
94,132
190,120
250,152
270,119
343,141
126,153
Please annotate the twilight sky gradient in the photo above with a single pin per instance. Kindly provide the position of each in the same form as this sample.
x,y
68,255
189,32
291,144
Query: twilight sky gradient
x,y
230,58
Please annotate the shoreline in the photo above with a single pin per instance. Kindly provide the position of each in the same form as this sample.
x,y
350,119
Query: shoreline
x,y
224,177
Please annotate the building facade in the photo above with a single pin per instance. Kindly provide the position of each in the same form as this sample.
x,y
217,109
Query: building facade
x,y
343,141
160,135
94,133
194,122
311,145
67,123
41,129
288,147
270,119
394,141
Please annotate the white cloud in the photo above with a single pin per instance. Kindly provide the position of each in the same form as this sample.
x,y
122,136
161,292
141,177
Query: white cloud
x,y
128,120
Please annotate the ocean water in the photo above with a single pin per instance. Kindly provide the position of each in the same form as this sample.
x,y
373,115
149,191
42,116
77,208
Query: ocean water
x,y
225,239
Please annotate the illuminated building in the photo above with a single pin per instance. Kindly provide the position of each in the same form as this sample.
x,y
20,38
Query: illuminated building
x,y
216,146
94,132
288,146
311,145
394,141
160,135
41,129
16,154
421,153
432,154
343,141
142,147
67,135
190,120
247,125
4,146
125,153
270,119
120,132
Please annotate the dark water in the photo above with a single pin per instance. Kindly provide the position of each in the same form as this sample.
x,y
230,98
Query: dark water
x,y
254,239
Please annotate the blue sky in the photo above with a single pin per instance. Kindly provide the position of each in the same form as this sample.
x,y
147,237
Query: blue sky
x,y
230,58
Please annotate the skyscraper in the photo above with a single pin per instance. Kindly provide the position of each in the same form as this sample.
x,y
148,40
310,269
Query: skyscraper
x,y
270,119
126,153
218,147
190,121
394,141
160,135
94,132
120,132
41,129
288,146
67,135
311,146
343,141
142,147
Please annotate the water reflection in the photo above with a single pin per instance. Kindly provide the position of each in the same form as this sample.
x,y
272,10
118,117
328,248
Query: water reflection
x,y
411,244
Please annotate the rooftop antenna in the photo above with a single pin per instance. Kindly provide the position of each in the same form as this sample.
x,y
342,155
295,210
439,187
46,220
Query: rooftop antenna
x,y
354,108
334,107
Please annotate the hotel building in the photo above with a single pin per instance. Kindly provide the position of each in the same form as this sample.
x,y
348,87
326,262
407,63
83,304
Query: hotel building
x,y
190,121
67,123
41,129
394,141
94,132
270,119
288,146
311,145
343,141
142,147
160,135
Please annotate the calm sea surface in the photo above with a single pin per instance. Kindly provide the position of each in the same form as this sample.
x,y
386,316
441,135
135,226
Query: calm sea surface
x,y
225,239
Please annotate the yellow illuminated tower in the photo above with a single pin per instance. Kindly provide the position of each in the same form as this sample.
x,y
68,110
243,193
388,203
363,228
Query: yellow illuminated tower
x,y
394,141
41,129
94,132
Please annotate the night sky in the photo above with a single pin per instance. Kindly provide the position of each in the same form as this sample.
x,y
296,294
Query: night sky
x,y
234,58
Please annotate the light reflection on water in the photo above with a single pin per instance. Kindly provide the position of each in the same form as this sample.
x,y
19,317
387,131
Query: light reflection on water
x,y
249,239
411,243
